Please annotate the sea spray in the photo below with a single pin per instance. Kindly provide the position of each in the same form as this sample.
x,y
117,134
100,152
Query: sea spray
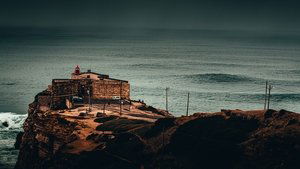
x,y
10,125
11,121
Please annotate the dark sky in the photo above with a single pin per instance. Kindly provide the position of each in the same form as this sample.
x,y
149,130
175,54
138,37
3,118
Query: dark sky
x,y
178,14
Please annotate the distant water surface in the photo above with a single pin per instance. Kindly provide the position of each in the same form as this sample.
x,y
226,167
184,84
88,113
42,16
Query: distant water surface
x,y
221,69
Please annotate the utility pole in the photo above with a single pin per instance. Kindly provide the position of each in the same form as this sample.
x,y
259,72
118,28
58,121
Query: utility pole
x,y
167,89
269,96
188,104
266,93
104,108
89,92
121,102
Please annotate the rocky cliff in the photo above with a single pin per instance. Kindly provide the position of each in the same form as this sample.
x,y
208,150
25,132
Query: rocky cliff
x,y
231,139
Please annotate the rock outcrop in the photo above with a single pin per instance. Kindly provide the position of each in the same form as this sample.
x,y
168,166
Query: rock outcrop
x,y
231,139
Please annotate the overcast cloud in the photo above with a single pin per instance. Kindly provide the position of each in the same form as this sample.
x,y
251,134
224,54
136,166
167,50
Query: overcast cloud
x,y
178,14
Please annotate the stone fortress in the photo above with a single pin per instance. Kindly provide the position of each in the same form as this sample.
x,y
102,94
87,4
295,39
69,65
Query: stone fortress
x,y
83,87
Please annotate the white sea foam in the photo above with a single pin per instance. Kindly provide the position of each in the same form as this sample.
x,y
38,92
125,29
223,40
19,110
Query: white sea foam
x,y
8,134
13,121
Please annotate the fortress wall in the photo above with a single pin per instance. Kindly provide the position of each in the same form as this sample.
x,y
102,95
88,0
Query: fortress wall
x,y
126,90
60,91
66,87
91,75
108,89
100,89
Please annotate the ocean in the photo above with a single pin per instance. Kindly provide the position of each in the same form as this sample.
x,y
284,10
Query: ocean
x,y
221,69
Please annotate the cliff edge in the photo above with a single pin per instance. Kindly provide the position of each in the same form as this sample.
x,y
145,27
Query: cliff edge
x,y
143,137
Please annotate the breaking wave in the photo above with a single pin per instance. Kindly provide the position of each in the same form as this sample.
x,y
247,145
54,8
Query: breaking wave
x,y
220,77
10,125
11,121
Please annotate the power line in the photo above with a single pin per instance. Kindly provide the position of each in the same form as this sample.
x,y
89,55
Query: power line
x,y
188,104
250,90
167,89
269,96
266,95
284,89
256,89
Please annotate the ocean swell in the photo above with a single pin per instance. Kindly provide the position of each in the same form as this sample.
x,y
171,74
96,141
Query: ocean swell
x,y
219,77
